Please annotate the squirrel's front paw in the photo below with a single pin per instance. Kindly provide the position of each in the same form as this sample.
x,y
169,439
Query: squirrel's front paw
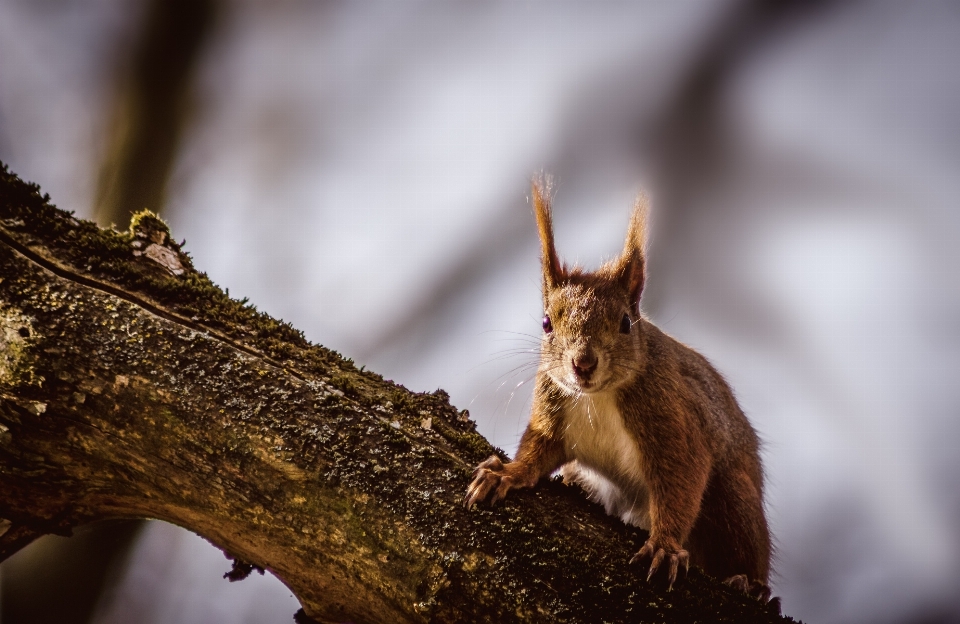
x,y
657,553
490,480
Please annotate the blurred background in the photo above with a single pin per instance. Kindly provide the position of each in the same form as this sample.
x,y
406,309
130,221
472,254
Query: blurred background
x,y
361,170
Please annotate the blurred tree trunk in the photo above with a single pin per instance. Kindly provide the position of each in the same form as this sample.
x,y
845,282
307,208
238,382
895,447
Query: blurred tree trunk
x,y
76,570
132,387
153,101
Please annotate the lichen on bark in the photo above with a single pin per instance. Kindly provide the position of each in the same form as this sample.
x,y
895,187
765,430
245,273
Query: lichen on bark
x,y
131,386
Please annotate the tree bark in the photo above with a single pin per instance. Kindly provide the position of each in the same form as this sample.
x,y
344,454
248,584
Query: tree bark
x,y
132,387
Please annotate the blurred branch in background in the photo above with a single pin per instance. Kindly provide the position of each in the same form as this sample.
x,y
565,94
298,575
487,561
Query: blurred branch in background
x,y
681,138
153,104
688,146
76,570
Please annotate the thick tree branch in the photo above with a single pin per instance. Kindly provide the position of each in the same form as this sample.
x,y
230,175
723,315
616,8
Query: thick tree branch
x,y
132,387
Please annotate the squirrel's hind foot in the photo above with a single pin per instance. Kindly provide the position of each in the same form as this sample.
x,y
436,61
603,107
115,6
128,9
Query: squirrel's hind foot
x,y
754,589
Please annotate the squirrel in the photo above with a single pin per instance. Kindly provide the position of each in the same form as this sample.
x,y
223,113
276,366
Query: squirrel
x,y
643,423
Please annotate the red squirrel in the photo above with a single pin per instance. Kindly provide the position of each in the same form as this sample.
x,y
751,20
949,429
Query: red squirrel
x,y
643,423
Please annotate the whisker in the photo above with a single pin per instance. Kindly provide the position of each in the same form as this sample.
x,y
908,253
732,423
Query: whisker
x,y
514,333
500,358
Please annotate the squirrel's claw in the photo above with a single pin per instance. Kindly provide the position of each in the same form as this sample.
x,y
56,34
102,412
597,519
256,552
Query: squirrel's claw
x,y
491,463
754,589
488,478
478,490
655,563
674,565
492,479
674,558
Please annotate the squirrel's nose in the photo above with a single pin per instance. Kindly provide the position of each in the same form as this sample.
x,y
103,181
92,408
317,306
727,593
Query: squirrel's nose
x,y
584,365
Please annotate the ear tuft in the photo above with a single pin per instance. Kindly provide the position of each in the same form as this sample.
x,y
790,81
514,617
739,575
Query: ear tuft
x,y
552,269
633,261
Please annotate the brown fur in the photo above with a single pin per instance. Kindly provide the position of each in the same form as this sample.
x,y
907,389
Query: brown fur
x,y
657,423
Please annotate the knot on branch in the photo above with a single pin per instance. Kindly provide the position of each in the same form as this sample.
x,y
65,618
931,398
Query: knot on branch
x,y
300,617
241,570
151,238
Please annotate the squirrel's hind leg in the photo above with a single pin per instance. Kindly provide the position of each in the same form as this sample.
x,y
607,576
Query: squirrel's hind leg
x,y
730,536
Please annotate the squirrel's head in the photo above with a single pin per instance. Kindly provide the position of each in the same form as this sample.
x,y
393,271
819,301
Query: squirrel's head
x,y
591,323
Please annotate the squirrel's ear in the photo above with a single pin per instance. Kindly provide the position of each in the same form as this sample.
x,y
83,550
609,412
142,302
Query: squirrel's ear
x,y
552,269
631,267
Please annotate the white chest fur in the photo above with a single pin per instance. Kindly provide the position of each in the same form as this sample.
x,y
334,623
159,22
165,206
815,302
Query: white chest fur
x,y
607,460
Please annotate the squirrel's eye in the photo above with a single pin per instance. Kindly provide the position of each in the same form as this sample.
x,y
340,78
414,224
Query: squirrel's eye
x,y
547,325
624,324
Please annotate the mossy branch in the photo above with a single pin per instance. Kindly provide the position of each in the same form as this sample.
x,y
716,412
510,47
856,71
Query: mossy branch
x,y
132,387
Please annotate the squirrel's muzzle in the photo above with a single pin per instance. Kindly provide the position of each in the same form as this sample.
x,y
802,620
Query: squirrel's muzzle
x,y
584,364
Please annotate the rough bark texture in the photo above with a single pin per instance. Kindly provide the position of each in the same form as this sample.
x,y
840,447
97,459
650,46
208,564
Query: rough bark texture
x,y
132,387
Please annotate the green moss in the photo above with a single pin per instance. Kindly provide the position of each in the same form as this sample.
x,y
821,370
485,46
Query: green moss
x,y
145,224
113,257
474,445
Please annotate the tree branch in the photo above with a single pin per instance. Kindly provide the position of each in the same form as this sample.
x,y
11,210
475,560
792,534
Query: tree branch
x,y
132,387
